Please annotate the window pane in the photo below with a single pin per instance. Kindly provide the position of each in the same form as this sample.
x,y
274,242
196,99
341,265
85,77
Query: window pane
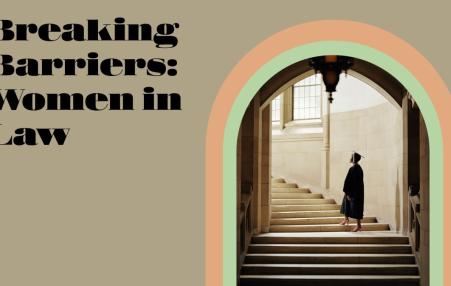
x,y
301,91
275,109
307,98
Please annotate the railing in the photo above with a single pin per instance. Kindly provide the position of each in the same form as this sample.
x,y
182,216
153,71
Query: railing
x,y
415,223
245,222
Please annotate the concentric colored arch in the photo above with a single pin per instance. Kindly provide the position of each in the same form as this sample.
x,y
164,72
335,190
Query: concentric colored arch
x,y
349,38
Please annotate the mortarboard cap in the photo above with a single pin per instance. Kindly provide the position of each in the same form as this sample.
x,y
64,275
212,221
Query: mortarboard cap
x,y
356,157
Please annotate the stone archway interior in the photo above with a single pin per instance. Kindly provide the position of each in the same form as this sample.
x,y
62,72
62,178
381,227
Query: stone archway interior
x,y
391,133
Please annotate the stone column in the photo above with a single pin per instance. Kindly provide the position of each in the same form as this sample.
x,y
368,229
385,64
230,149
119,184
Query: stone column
x,y
264,170
325,154
405,165
411,157
287,107
416,172
249,169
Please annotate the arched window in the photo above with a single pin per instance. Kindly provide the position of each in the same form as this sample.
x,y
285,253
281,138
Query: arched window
x,y
307,98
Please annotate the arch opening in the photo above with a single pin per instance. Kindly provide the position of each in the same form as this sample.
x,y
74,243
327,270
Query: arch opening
x,y
265,90
260,205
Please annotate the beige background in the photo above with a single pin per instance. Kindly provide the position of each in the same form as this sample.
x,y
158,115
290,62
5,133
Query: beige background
x,y
122,202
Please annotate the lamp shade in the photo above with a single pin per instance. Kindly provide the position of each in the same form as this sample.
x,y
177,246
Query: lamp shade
x,y
330,67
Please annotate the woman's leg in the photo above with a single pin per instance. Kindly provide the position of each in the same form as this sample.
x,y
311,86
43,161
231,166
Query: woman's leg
x,y
358,227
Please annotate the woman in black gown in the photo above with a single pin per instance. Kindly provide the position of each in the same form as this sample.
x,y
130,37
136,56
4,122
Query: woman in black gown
x,y
352,205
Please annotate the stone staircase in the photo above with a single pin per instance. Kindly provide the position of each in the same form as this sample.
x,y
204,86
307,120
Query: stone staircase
x,y
307,246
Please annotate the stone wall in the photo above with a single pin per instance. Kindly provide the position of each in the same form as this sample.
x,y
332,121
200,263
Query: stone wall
x,y
297,157
376,133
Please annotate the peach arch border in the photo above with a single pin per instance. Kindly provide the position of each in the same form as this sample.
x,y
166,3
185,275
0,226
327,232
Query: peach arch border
x,y
326,30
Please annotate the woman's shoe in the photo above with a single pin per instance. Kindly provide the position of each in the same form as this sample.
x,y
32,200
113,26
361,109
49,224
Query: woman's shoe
x,y
356,229
344,222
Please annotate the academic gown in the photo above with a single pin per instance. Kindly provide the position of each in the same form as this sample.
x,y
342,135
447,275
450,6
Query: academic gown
x,y
353,187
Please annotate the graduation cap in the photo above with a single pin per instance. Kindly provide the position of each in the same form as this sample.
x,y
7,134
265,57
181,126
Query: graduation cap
x,y
356,157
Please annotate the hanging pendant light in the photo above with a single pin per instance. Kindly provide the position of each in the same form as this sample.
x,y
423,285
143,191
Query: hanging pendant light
x,y
330,68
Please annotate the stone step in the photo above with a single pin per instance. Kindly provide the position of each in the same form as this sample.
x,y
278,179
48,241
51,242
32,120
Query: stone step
x,y
327,227
330,248
352,238
329,269
305,214
284,208
284,185
277,180
327,258
328,280
316,220
302,201
290,190
296,196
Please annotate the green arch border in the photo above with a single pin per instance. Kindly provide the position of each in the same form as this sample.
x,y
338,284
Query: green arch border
x,y
348,49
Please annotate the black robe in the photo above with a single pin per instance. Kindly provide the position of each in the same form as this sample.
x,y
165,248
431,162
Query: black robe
x,y
353,187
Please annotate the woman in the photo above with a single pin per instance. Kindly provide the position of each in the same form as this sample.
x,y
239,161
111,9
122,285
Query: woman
x,y
352,205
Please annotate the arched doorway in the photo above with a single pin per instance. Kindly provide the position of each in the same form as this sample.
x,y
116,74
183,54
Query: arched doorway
x,y
254,169
239,89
